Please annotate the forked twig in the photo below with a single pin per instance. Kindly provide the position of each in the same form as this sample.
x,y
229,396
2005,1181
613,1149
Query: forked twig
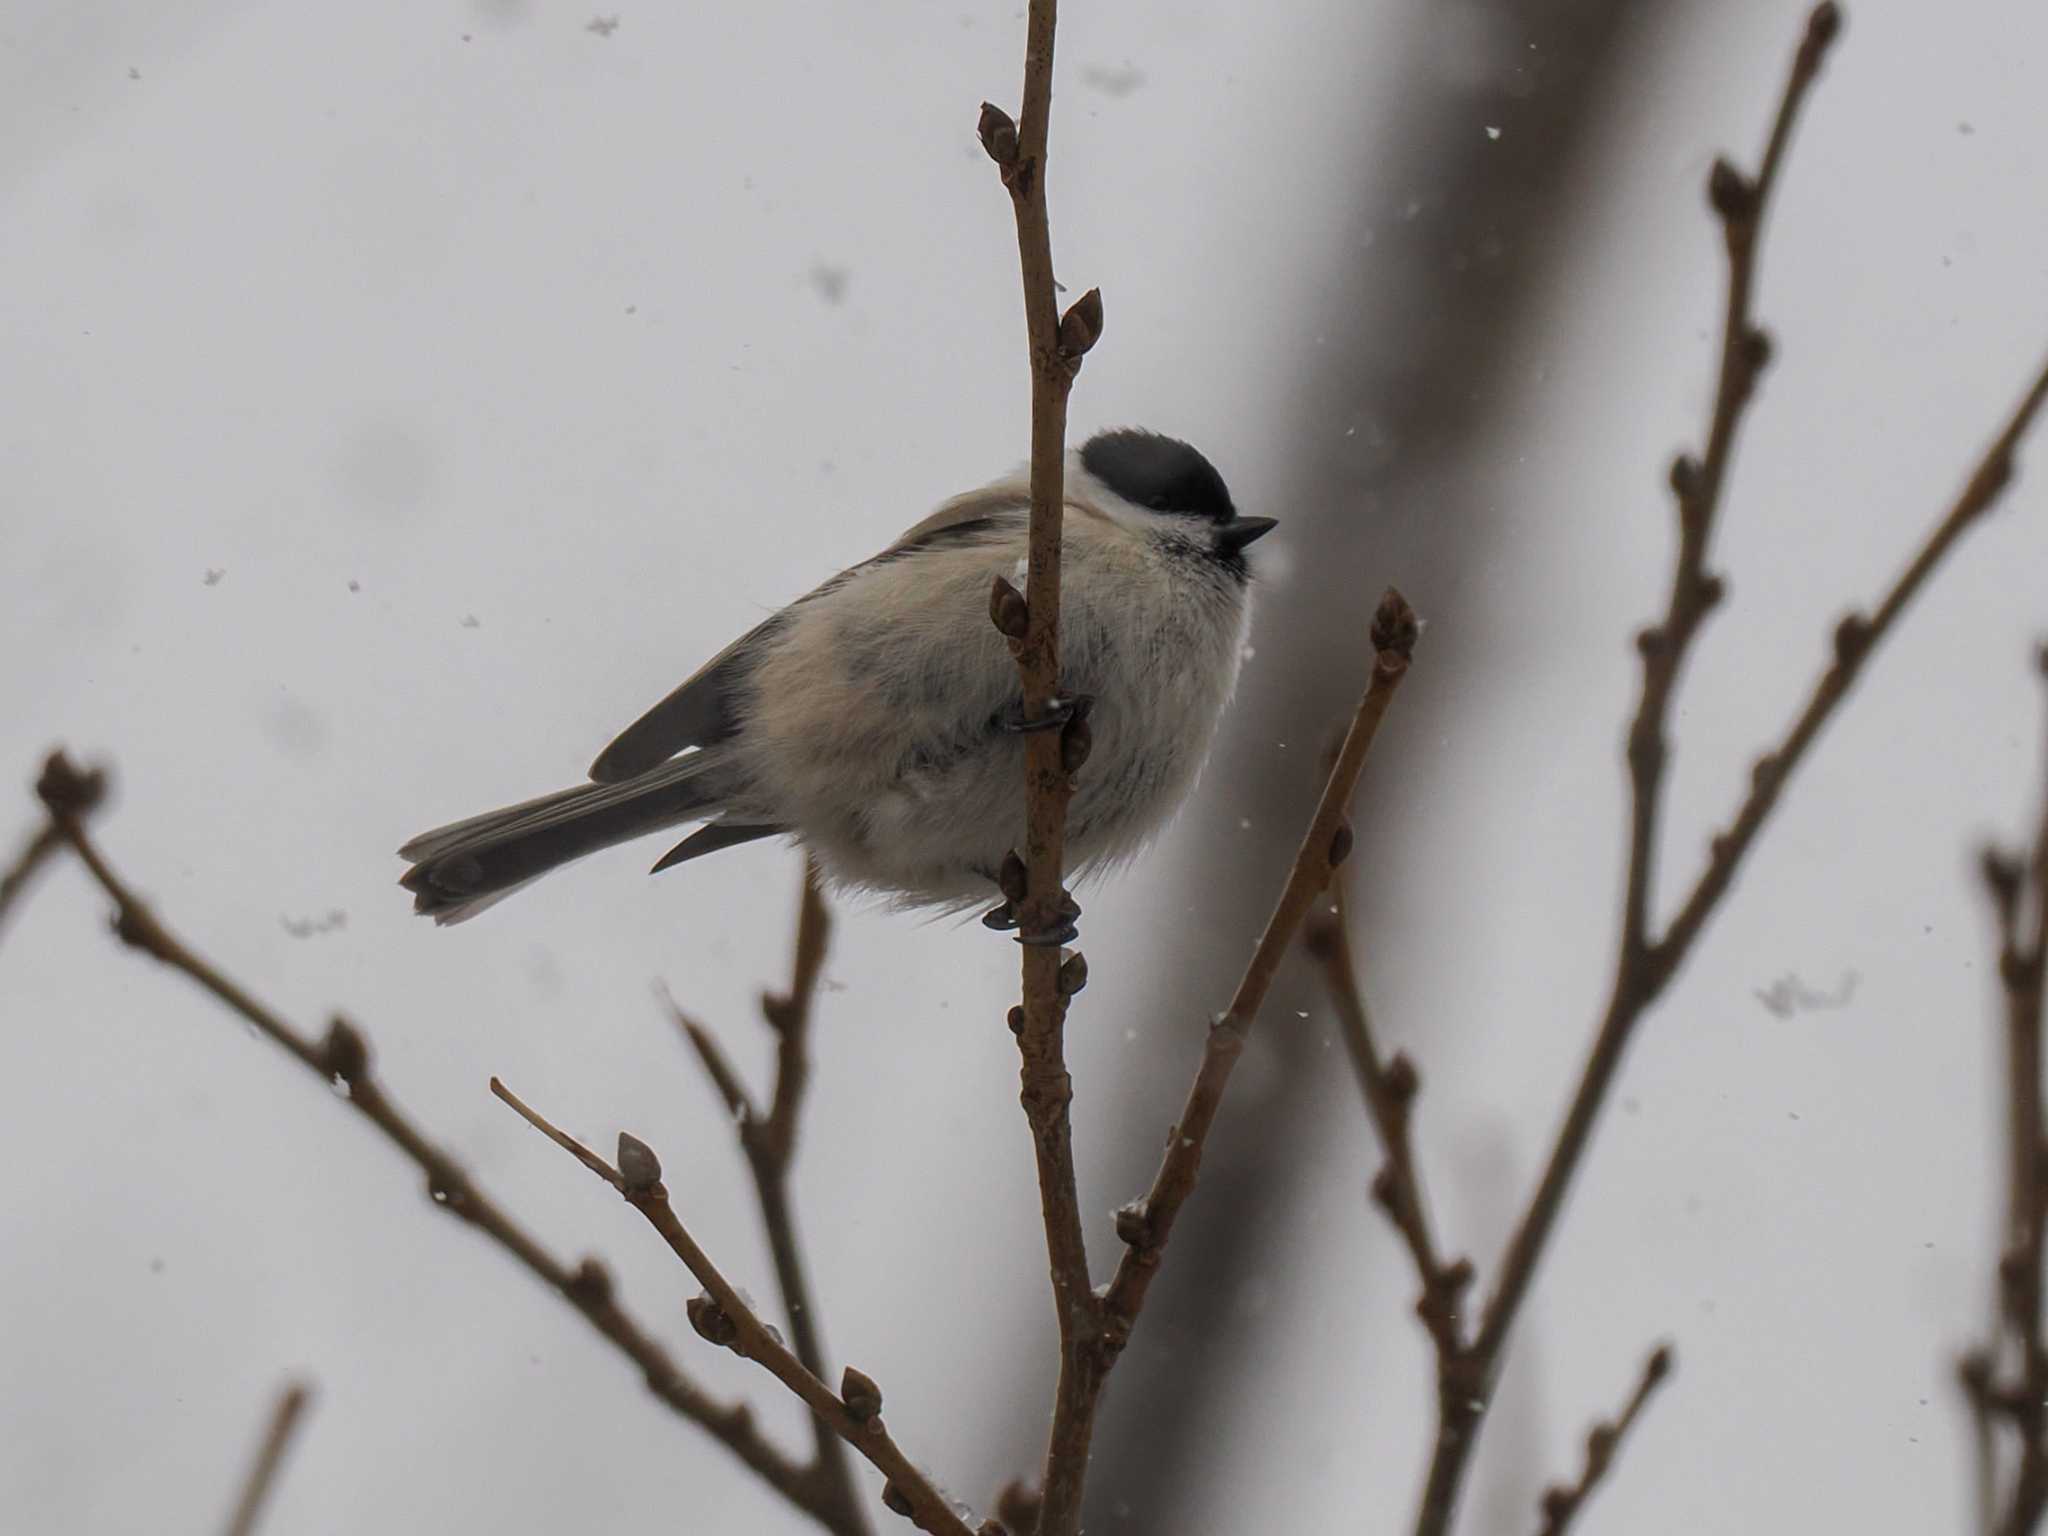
x,y
724,1317
343,1058
768,1139
1646,961
1562,1503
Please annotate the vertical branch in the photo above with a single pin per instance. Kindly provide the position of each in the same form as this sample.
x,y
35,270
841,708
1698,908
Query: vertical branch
x,y
1056,346
769,1143
2007,1381
284,1418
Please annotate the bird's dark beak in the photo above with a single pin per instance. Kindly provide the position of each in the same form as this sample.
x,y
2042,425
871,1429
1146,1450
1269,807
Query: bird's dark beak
x,y
1240,531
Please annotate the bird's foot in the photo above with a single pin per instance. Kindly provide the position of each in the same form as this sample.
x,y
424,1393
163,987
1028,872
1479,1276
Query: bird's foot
x,y
1063,708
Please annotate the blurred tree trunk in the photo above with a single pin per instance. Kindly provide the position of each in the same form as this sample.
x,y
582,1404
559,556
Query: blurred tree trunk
x,y
1460,225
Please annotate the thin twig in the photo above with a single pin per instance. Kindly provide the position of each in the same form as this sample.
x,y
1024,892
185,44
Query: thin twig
x,y
86,795
1146,1224
284,1418
769,1142
1562,1503
1646,964
343,1059
1056,346
724,1317
2007,1380
1390,1085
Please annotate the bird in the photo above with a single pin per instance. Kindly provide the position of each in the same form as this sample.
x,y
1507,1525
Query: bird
x,y
877,720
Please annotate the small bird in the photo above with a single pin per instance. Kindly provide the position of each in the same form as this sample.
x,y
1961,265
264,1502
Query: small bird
x,y
878,719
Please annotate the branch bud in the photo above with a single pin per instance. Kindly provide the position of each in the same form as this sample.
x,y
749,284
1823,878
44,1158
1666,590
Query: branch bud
x,y
1340,844
710,1320
862,1397
1073,973
1077,739
1731,193
897,1501
998,133
1007,609
639,1168
346,1053
1081,325
591,1284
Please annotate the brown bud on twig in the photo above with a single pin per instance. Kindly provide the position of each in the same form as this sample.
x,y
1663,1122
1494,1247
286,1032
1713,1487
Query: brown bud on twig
x,y
1659,1365
1822,27
2002,873
346,1054
1756,350
1077,739
1558,1504
1340,844
591,1284
1457,1275
639,1168
1013,878
1007,609
67,790
1852,639
1651,641
1081,325
1731,193
711,1320
1017,1506
1764,772
1395,625
1073,973
1402,1078
894,1498
1686,476
1134,1225
998,133
1016,1019
862,1397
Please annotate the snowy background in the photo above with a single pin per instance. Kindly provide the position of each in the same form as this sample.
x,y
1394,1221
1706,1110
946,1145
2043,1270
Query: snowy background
x,y
398,397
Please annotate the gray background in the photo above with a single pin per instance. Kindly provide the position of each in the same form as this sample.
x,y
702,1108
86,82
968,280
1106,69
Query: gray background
x,y
503,370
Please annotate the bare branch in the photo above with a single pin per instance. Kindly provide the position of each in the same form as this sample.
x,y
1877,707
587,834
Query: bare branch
x,y
1056,347
1645,964
1390,1088
723,1316
343,1059
284,1418
769,1143
2006,1381
1146,1225
1561,1504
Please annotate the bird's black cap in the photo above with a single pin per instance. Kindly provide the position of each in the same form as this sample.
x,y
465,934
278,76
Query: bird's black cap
x,y
1161,473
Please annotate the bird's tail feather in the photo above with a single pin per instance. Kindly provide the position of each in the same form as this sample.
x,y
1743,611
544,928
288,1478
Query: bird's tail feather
x,y
466,866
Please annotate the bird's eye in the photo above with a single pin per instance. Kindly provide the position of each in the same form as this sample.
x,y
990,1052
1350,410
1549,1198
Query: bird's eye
x,y
1157,501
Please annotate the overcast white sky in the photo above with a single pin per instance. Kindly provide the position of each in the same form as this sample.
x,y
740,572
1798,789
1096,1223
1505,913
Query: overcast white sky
x,y
399,397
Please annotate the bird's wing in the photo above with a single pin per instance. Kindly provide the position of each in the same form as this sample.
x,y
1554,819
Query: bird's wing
x,y
964,515
699,713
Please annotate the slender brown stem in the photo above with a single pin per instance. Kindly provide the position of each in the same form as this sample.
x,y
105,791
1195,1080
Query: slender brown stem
x,y
277,1438
1645,964
1146,1225
769,1142
1562,1503
343,1058
1055,348
1390,1087
2007,1380
724,1317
